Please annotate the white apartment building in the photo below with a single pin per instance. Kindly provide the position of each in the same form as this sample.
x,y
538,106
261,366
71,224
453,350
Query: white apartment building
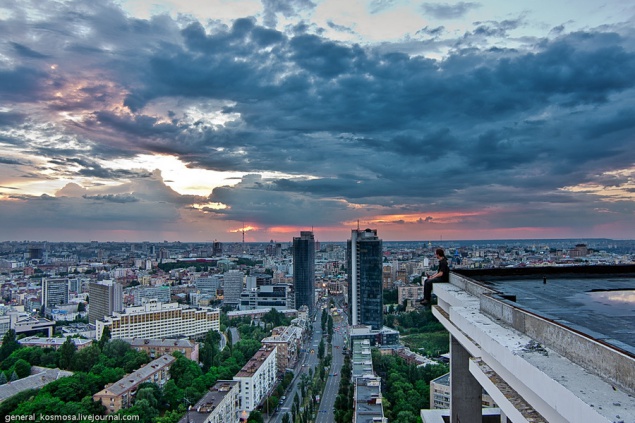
x,y
288,340
219,405
257,378
159,320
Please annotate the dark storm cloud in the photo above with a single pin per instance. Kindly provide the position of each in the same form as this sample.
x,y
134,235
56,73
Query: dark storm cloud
x,y
368,125
448,11
25,51
113,198
11,118
5,160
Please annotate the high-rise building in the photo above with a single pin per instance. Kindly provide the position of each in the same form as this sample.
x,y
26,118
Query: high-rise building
x,y
142,294
232,287
365,291
304,269
208,284
54,292
104,298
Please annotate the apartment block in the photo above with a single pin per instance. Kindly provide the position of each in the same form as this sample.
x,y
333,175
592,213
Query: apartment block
x,y
120,395
257,378
158,347
158,320
287,339
218,405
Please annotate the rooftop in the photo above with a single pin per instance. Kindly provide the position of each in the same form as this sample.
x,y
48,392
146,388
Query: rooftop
x,y
206,405
256,361
136,378
601,307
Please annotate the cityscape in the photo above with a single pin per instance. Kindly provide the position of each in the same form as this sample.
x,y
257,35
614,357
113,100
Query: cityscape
x,y
317,211
166,300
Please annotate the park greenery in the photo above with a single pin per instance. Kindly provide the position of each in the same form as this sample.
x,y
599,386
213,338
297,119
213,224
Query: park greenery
x,y
405,387
419,330
109,360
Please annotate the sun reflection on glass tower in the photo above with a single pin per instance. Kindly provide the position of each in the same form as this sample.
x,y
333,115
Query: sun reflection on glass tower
x,y
365,291
304,270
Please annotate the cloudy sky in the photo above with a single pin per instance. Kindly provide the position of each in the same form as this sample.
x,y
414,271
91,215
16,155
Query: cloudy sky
x,y
188,120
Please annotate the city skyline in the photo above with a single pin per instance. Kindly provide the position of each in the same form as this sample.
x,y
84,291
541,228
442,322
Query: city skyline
x,y
170,120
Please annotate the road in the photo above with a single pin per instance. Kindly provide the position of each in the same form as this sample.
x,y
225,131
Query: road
x,y
308,360
327,403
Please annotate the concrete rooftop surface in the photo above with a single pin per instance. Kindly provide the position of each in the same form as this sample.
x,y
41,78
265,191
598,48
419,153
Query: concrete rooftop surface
x,y
601,307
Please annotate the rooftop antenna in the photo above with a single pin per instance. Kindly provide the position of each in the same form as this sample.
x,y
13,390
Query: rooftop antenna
x,y
243,232
358,224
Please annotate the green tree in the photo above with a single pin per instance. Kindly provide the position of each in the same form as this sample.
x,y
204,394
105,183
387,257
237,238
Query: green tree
x,y
85,358
255,417
172,394
148,393
9,344
321,349
105,337
81,307
67,353
3,378
22,368
184,371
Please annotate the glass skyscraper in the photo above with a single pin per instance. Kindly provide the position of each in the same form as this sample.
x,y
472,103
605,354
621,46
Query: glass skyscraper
x,y
365,290
304,270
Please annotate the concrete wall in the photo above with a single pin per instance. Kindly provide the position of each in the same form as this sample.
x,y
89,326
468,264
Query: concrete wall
x,y
606,362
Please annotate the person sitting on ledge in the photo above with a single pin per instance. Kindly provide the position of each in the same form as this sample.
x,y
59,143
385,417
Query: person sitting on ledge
x,y
442,275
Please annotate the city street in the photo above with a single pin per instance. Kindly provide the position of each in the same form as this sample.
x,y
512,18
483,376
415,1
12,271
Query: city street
x,y
306,361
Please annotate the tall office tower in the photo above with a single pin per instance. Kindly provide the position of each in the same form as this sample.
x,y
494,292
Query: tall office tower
x,y
365,293
217,248
54,292
304,270
104,298
232,287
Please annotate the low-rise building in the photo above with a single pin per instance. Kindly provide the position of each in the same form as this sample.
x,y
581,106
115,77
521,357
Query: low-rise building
x,y
257,378
120,395
409,292
381,337
55,343
158,347
441,394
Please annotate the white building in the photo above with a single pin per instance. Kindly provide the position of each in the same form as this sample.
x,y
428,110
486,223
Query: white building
x,y
257,378
218,405
159,320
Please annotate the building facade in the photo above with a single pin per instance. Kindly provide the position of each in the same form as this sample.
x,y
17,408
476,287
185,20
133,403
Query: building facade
x,y
365,277
120,395
218,405
54,292
257,378
288,340
142,294
232,287
265,297
304,270
158,347
159,320
105,298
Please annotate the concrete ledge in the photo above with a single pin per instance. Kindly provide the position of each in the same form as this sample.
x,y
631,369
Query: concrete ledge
x,y
503,394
